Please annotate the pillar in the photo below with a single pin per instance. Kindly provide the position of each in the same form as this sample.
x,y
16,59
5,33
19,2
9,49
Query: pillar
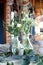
x,y
8,13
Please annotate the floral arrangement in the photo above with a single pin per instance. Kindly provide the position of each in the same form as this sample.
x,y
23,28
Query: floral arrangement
x,y
24,25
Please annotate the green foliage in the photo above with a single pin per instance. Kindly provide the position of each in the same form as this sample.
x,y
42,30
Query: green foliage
x,y
36,58
16,18
16,42
16,51
27,23
10,63
27,43
13,29
40,63
26,51
10,29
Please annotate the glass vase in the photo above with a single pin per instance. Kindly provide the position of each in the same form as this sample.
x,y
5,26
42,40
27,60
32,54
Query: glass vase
x,y
14,44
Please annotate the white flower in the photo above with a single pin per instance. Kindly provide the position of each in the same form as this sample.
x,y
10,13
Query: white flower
x,y
12,15
15,13
12,23
24,19
26,15
18,25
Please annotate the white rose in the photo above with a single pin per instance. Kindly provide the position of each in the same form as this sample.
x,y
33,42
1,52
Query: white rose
x,y
18,25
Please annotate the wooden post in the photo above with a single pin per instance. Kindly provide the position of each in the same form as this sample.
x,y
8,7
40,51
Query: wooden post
x,y
8,16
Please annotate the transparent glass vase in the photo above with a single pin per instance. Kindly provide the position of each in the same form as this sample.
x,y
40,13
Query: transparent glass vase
x,y
14,44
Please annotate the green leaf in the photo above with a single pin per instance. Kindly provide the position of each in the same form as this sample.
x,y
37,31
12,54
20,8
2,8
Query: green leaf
x,y
8,63
11,21
12,63
10,29
26,51
40,63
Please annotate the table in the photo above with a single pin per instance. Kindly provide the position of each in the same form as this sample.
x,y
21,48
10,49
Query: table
x,y
12,59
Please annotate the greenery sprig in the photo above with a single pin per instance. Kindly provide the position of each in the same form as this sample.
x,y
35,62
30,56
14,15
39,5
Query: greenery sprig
x,y
10,63
26,23
13,28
